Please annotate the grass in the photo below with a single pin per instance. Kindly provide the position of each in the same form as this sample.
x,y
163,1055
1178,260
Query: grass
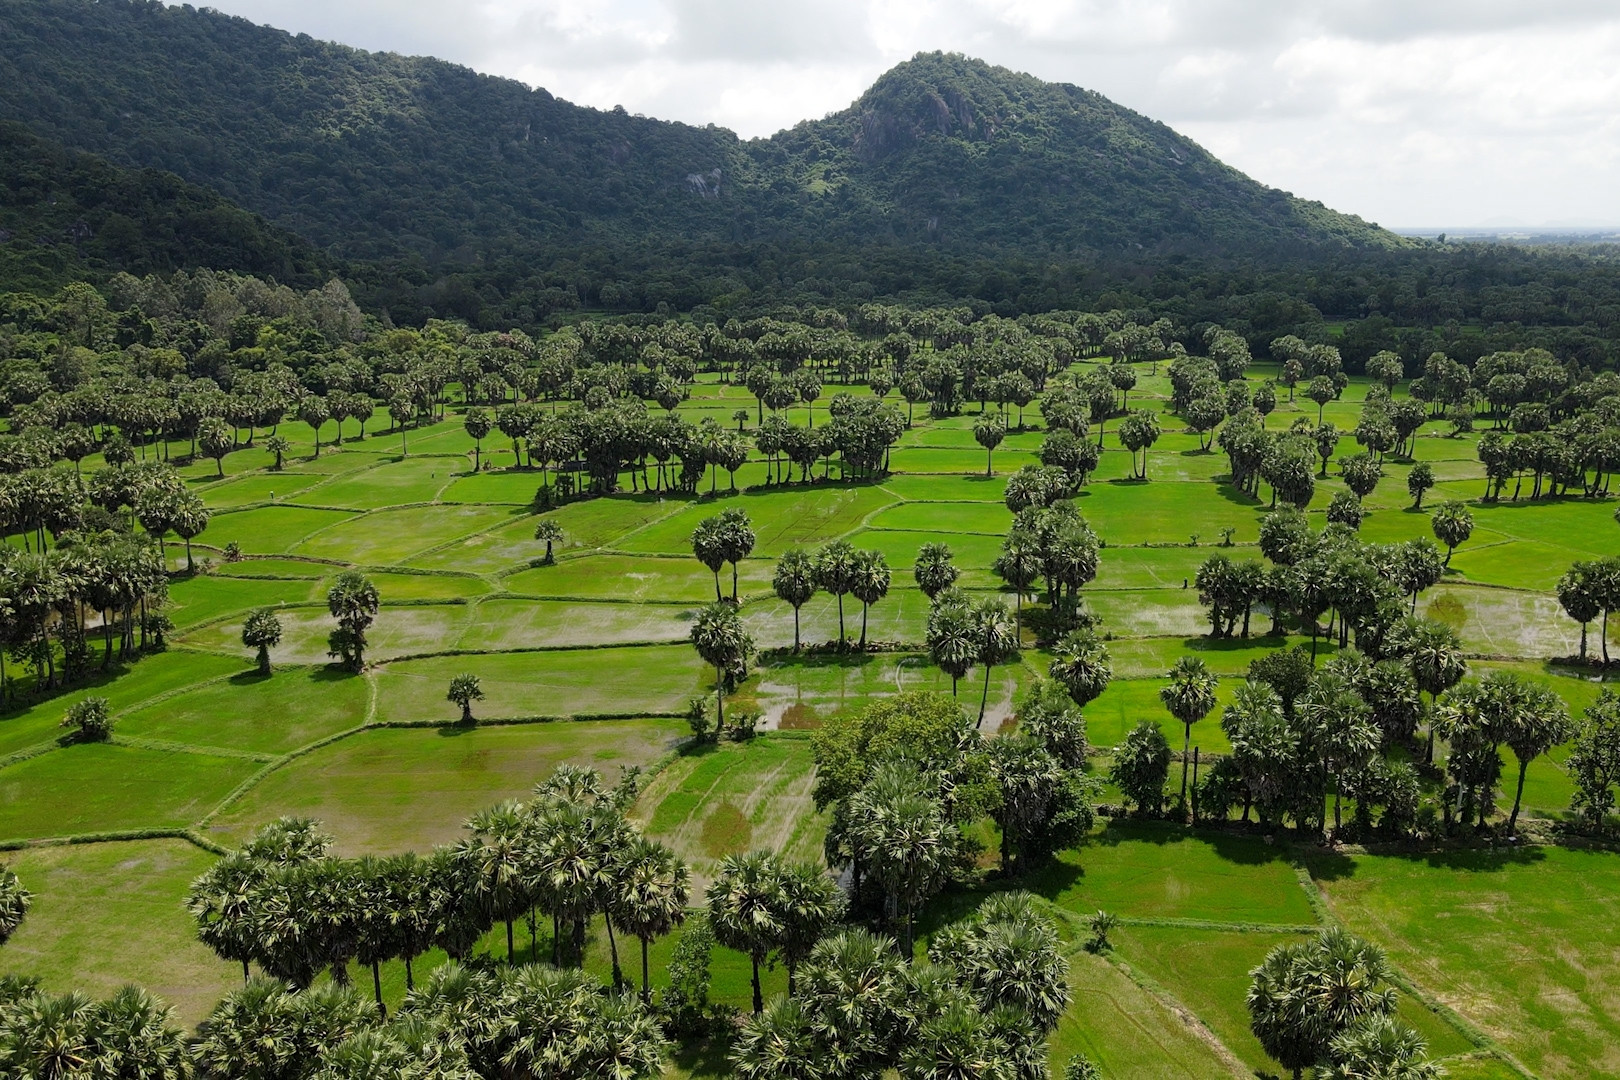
x,y
105,913
731,798
1521,943
1155,871
397,789
564,682
103,787
292,708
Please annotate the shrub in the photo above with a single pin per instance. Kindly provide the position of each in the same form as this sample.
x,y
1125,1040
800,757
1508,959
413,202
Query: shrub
x,y
92,719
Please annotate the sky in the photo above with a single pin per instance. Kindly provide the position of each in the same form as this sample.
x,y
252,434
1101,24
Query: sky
x,y
1410,113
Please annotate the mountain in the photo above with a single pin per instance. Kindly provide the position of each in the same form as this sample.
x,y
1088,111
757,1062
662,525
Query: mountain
x,y
66,215
378,155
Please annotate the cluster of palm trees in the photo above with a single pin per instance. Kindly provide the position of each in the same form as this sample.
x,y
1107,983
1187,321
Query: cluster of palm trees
x,y
981,1005
1591,590
1329,1004
286,904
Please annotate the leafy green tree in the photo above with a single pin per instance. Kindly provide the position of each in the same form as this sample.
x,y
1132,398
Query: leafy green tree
x,y
1142,766
1189,697
215,440
464,690
719,638
1346,510
1578,596
794,582
780,1042
1382,1047
1321,390
1452,525
1594,760
1043,808
262,631
934,571
91,718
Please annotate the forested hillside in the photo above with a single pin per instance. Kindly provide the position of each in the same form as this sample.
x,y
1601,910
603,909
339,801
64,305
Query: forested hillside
x,y
66,215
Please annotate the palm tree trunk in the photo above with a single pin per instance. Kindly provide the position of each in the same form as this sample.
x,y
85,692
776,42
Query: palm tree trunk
x,y
1518,796
510,950
733,583
984,698
718,595
796,632
864,608
244,972
1186,746
646,982
759,999
410,976
719,699
613,947
841,625
376,987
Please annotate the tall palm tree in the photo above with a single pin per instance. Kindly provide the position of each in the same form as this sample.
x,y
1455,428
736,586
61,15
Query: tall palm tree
x,y
835,570
906,840
794,583
1190,696
736,541
721,641
136,1035
709,546
869,583
995,640
1081,663
575,848
934,571
1340,729
812,903
502,864
745,908
952,642
1434,654
222,901
1536,722
649,898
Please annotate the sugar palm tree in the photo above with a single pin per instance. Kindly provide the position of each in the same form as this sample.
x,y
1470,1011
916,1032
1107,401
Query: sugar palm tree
x,y
1081,663
478,423
550,533
1433,653
745,908
794,583
952,643
1190,696
736,541
1020,565
780,1043
189,520
988,432
934,572
464,690
575,849
262,631
721,641
709,546
136,1035
906,840
14,903
812,903
995,639
835,572
869,583
223,902
649,897
501,864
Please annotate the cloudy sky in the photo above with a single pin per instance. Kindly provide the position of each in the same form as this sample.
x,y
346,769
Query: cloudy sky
x,y
1407,112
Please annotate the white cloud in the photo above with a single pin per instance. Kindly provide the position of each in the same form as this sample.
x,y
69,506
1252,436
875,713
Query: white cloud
x,y
1408,112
